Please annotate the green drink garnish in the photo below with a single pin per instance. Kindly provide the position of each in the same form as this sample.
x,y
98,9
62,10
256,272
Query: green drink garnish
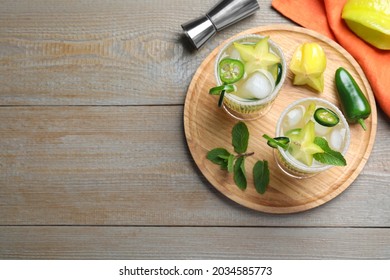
x,y
231,70
326,117
281,141
219,89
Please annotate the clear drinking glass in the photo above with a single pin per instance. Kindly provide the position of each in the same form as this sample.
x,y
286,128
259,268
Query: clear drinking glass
x,y
293,117
249,109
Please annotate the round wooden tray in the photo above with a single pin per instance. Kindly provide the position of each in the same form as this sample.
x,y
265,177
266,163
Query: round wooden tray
x,y
207,126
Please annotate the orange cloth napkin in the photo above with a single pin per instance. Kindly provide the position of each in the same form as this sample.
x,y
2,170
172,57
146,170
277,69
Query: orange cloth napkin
x,y
324,16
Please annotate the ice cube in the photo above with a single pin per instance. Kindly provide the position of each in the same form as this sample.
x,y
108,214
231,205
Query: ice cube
x,y
257,85
337,138
320,129
294,116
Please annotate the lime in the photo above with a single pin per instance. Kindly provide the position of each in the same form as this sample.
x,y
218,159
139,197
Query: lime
x,y
370,20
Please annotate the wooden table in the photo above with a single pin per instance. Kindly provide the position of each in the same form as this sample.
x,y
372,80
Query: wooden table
x,y
93,158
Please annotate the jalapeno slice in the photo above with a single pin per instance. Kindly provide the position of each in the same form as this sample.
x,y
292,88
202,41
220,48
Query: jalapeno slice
x,y
279,76
326,117
218,89
231,70
280,141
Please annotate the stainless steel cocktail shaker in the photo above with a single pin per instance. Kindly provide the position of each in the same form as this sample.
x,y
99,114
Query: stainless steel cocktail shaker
x,y
223,14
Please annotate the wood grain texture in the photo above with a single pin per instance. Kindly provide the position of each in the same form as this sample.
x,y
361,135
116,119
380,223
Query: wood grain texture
x,y
193,243
208,127
100,52
131,166
93,158
82,52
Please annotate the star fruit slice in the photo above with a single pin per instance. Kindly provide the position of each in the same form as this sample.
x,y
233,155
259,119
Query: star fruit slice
x,y
257,56
302,145
308,64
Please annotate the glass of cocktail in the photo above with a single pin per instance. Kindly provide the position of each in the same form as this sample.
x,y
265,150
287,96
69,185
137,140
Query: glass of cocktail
x,y
253,69
306,123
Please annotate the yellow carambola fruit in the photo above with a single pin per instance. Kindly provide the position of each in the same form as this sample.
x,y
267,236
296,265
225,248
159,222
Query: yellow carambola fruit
x,y
302,145
370,20
308,64
257,56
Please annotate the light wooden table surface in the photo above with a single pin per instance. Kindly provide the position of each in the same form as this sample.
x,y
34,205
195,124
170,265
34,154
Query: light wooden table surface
x,y
93,159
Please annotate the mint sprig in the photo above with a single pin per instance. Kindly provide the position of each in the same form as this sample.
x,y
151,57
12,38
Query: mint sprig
x,y
230,163
329,156
239,173
235,163
219,156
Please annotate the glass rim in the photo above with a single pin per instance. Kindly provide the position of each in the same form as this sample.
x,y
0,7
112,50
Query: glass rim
x,y
275,48
329,105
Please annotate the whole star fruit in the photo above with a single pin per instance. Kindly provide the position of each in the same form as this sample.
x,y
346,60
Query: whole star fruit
x,y
308,64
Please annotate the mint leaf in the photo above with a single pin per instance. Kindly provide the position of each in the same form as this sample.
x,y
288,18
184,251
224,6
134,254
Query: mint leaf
x,y
240,137
239,173
224,165
261,176
230,162
219,156
329,156
236,162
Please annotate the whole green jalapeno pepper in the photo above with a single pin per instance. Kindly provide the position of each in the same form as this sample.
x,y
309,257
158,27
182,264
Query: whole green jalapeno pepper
x,y
353,102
